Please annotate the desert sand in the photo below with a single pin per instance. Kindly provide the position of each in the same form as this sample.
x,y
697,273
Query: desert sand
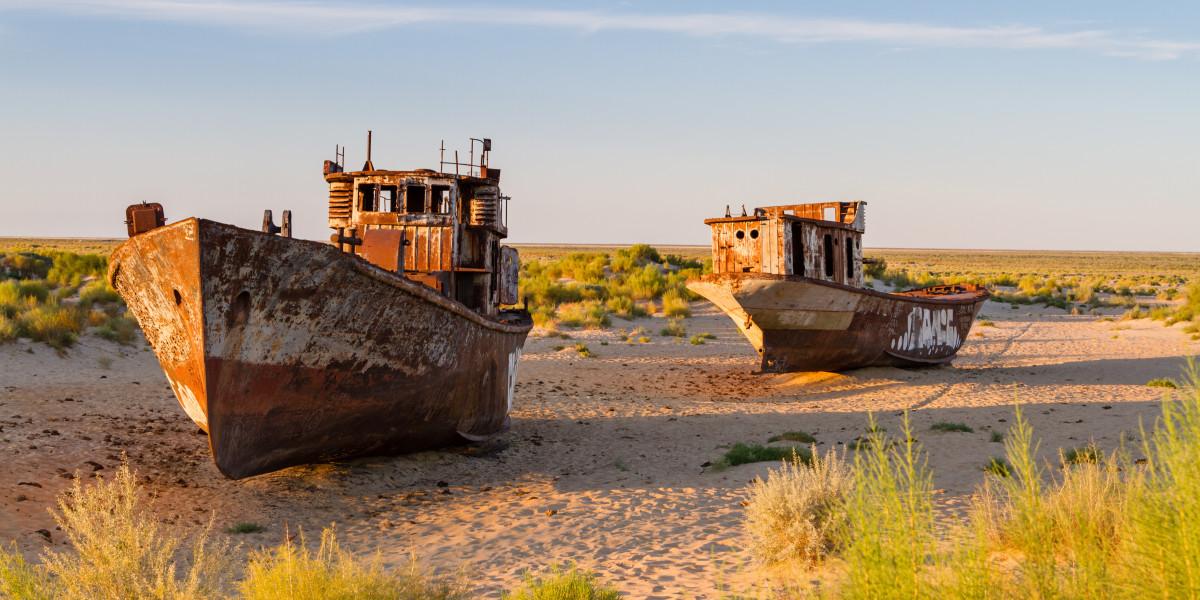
x,y
604,465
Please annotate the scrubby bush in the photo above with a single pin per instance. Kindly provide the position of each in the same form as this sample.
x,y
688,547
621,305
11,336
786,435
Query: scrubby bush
x,y
588,314
799,511
675,305
626,284
674,328
57,326
97,292
121,330
117,550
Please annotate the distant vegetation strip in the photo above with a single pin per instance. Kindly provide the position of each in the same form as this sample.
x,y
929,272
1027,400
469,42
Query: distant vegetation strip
x,y
55,296
53,290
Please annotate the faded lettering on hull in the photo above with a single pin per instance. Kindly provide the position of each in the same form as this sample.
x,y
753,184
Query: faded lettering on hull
x,y
928,331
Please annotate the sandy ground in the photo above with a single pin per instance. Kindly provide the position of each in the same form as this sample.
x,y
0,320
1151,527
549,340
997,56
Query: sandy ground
x,y
604,464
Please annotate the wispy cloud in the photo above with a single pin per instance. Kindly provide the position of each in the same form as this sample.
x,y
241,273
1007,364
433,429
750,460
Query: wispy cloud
x,y
339,18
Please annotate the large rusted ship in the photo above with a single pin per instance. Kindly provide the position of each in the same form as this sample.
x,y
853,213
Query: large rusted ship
x,y
791,278
392,338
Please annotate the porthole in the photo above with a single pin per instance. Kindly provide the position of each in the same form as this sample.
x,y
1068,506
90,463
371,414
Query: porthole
x,y
753,234
740,234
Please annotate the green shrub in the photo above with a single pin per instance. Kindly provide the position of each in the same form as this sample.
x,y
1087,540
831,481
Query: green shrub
x,y
798,512
741,454
589,314
98,292
244,528
998,466
8,329
57,326
122,330
1162,382
625,307
1085,454
948,426
563,584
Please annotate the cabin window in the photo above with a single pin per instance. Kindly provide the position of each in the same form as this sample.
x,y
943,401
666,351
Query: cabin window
x,y
850,260
754,234
740,234
368,194
414,198
440,199
828,255
829,213
389,198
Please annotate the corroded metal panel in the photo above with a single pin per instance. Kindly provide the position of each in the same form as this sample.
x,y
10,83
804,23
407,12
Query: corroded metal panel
x,y
510,272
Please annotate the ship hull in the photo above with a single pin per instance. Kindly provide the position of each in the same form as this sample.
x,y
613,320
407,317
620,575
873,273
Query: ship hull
x,y
289,351
800,324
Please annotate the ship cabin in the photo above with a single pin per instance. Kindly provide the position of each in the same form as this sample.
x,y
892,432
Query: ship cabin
x,y
436,228
821,241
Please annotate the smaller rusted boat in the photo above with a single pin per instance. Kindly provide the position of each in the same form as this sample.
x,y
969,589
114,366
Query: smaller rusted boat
x,y
791,279
394,338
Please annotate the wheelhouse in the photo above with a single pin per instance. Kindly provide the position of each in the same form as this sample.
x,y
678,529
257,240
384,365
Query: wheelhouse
x,y
820,241
440,229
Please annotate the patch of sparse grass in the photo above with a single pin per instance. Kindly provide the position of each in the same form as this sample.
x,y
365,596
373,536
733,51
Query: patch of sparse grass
x,y
583,350
1090,454
986,323
292,571
997,437
1162,382
798,512
998,466
674,328
950,426
121,330
117,549
741,454
700,338
563,584
793,436
242,528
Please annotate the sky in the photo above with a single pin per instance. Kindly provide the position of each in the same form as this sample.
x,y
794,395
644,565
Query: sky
x,y
1012,125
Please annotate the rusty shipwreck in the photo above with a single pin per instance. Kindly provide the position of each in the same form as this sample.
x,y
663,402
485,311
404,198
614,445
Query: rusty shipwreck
x,y
791,279
391,338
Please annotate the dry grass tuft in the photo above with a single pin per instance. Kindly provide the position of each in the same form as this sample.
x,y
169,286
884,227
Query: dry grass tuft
x,y
799,510
291,571
117,551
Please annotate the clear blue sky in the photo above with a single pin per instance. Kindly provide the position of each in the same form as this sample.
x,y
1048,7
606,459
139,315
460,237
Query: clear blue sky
x,y
1064,125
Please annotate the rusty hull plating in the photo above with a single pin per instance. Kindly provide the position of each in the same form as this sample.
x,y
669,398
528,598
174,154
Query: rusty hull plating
x,y
289,351
791,279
